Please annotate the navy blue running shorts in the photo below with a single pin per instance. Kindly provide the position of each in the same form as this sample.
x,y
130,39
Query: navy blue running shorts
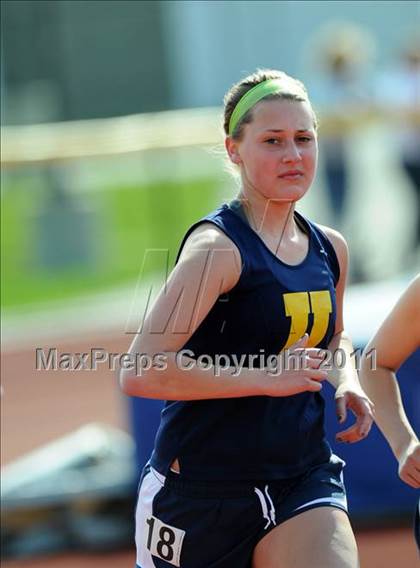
x,y
197,524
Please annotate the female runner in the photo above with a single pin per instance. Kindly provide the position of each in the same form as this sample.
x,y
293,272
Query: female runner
x,y
241,474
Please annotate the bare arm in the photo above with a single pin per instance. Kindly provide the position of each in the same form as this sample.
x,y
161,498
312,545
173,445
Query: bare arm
x,y
210,265
396,339
349,393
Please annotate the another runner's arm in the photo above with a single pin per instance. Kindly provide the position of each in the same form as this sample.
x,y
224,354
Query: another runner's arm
x,y
396,339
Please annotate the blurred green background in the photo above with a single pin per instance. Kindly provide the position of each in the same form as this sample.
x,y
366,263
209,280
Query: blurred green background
x,y
121,230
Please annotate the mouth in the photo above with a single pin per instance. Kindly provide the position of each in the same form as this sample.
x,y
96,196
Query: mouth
x,y
291,175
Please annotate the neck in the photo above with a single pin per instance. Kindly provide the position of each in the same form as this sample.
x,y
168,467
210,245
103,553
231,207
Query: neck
x,y
270,217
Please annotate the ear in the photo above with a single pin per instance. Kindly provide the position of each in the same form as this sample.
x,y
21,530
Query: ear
x,y
233,150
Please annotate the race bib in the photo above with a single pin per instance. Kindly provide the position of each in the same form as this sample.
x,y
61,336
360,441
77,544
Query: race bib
x,y
163,541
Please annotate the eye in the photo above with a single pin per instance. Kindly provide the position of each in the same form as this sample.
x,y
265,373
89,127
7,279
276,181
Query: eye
x,y
304,139
272,141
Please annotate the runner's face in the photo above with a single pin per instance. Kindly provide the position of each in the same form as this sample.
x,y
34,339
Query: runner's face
x,y
278,151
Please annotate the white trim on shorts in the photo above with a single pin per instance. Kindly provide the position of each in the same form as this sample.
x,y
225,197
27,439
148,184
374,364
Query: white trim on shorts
x,y
342,502
151,485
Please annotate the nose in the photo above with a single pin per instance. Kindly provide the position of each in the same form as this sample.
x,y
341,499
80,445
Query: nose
x,y
291,153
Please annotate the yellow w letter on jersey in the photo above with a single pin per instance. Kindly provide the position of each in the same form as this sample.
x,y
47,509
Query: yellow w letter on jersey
x,y
298,306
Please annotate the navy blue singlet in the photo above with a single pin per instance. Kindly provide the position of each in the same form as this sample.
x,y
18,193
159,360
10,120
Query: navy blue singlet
x,y
272,306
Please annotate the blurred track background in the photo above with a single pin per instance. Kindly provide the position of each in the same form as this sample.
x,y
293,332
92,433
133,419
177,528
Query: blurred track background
x,y
112,146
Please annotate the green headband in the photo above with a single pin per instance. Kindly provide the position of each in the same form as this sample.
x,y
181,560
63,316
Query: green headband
x,y
252,97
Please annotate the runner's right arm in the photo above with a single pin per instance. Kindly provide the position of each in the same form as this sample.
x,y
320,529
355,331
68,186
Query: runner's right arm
x,y
209,265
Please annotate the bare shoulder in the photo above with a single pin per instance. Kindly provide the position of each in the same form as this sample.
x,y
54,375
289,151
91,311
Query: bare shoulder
x,y
222,253
399,334
413,291
338,241
409,302
209,236
341,250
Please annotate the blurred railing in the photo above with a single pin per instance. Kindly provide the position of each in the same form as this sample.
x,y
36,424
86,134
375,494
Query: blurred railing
x,y
46,143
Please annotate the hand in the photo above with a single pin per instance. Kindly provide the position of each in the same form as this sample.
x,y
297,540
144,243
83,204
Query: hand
x,y
301,377
409,465
353,397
